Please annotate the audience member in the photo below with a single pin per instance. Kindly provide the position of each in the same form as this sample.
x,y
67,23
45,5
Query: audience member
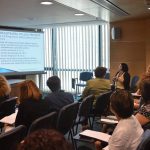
x,y
143,114
122,78
144,76
57,98
98,85
128,132
31,106
45,140
4,89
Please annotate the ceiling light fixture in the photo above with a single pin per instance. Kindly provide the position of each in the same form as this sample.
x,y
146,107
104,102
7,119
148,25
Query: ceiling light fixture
x,y
46,3
149,8
79,14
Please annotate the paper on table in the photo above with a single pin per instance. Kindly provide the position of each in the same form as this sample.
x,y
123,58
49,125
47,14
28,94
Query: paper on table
x,y
9,119
96,135
111,117
110,121
135,94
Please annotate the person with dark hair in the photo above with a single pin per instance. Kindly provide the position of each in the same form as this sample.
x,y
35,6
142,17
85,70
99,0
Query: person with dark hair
x,y
57,98
5,89
143,114
31,104
98,85
128,132
122,77
45,140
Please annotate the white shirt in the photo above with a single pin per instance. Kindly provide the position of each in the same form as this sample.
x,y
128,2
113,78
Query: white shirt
x,y
127,135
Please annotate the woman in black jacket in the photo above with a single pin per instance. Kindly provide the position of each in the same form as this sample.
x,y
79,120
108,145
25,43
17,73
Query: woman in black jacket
x,y
122,77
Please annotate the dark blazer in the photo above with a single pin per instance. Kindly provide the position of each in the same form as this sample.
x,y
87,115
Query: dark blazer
x,y
30,110
126,82
56,100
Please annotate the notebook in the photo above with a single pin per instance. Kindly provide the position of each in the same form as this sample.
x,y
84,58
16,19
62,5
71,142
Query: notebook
x,y
96,135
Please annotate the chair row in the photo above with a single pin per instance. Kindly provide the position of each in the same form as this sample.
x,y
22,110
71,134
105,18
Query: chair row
x,y
64,121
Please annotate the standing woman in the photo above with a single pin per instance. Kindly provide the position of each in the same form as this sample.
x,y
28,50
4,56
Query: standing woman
x,y
4,89
122,77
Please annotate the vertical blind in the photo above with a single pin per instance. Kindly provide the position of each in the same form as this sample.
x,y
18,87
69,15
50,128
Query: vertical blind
x,y
72,49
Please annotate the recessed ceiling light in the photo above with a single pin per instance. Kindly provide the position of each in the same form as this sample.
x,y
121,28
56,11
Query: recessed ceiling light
x,y
79,14
46,3
149,8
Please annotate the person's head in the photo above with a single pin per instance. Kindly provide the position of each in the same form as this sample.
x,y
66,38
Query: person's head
x,y
145,90
54,83
45,140
4,87
121,104
123,67
29,90
100,72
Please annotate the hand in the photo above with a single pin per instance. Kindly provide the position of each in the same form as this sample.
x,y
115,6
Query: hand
x,y
98,145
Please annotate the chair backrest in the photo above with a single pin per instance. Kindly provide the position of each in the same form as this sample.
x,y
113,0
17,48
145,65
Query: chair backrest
x,y
84,76
45,122
107,75
134,81
145,143
146,126
86,105
102,104
67,117
9,140
8,107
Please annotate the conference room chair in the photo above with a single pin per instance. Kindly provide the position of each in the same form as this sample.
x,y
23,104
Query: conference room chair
x,y
145,142
107,75
146,126
84,110
133,84
66,119
9,140
7,108
101,107
45,122
81,82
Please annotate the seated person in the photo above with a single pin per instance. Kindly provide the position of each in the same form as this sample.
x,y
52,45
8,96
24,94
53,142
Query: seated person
x,y
4,89
57,98
45,140
128,132
146,75
31,105
98,85
143,114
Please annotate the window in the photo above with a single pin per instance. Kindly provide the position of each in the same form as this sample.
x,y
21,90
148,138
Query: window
x,y
71,49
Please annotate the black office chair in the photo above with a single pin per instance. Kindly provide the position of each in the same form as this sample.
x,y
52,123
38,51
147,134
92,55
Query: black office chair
x,y
66,119
45,122
9,140
84,110
145,143
84,76
101,107
8,107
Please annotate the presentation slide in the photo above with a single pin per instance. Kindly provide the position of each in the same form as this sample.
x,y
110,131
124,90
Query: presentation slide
x,y
21,52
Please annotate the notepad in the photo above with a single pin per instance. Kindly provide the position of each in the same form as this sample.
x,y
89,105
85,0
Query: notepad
x,y
9,119
96,135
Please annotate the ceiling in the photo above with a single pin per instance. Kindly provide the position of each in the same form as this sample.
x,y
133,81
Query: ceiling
x,y
30,13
